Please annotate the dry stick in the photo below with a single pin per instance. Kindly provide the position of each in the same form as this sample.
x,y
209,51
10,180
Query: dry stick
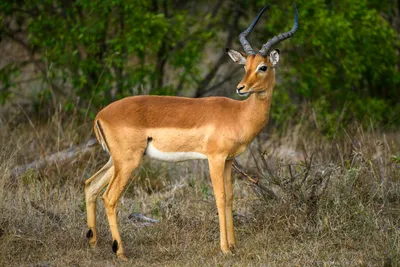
x,y
63,155
255,182
308,168
255,160
243,173
270,172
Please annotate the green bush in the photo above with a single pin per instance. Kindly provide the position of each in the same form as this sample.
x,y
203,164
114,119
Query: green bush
x,y
106,49
343,60
343,56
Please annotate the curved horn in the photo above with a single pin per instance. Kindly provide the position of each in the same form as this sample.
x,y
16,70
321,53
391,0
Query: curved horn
x,y
242,37
281,37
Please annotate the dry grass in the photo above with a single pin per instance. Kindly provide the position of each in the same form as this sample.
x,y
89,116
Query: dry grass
x,y
338,204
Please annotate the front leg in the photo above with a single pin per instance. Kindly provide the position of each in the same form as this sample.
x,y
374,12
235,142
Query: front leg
x,y
229,200
217,166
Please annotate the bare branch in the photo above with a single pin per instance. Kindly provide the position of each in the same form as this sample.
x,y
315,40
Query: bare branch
x,y
62,156
255,182
236,164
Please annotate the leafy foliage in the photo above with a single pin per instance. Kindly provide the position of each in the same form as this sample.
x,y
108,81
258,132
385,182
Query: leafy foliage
x,y
106,49
343,60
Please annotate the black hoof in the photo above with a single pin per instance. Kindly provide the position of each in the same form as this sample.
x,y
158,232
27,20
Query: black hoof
x,y
89,234
115,246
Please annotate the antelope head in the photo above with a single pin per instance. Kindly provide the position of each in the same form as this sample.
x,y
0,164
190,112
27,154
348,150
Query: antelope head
x,y
259,67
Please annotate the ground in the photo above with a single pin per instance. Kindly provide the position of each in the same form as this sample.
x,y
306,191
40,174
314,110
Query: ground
x,y
327,203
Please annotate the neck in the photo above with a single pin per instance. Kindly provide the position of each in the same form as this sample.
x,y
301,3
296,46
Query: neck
x,y
256,109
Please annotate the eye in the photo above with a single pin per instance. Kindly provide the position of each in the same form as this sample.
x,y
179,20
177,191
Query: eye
x,y
262,68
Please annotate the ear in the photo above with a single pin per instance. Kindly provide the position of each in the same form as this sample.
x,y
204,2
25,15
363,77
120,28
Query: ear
x,y
274,57
238,57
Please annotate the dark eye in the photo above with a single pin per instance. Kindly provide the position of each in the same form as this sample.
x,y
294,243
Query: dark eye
x,y
263,68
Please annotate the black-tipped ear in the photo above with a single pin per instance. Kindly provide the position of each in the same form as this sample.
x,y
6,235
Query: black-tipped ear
x,y
277,50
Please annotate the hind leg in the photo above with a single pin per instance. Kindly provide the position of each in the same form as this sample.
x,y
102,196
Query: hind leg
x,y
123,171
93,187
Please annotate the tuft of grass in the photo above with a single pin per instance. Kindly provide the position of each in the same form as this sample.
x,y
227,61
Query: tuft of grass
x,y
321,202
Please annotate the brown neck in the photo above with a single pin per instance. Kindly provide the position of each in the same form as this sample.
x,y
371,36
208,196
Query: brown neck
x,y
256,109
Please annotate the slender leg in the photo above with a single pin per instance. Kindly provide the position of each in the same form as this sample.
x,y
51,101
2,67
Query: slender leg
x,y
228,204
118,183
93,187
217,166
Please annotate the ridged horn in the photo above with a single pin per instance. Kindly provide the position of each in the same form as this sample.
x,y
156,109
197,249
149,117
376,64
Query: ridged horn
x,y
281,37
242,37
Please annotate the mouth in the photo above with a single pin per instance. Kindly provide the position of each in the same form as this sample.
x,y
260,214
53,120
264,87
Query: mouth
x,y
243,94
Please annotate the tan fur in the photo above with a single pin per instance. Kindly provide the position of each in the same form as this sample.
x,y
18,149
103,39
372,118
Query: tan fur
x,y
256,81
217,127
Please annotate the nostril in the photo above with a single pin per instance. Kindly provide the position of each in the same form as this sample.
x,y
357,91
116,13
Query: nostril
x,y
240,88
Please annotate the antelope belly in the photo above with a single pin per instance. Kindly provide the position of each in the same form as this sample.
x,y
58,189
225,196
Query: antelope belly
x,y
153,152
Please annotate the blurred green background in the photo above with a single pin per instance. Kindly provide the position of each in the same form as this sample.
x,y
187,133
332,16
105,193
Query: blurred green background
x,y
80,55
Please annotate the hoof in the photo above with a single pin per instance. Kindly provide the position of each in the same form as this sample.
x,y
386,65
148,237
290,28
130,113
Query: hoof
x,y
227,253
115,246
122,257
226,250
92,243
89,234
232,247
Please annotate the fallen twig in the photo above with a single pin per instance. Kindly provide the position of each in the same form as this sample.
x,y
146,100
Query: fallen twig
x,y
61,156
141,220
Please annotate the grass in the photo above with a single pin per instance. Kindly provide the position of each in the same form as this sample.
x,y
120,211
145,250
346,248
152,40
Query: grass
x,y
330,203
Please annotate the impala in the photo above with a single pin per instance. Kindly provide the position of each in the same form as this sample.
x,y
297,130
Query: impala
x,y
177,128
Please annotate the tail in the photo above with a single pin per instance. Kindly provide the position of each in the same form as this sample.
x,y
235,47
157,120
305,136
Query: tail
x,y
98,131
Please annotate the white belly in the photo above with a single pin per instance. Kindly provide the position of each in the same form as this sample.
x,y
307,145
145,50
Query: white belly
x,y
154,153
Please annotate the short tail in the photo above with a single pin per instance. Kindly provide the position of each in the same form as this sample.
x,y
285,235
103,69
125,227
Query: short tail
x,y
98,131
